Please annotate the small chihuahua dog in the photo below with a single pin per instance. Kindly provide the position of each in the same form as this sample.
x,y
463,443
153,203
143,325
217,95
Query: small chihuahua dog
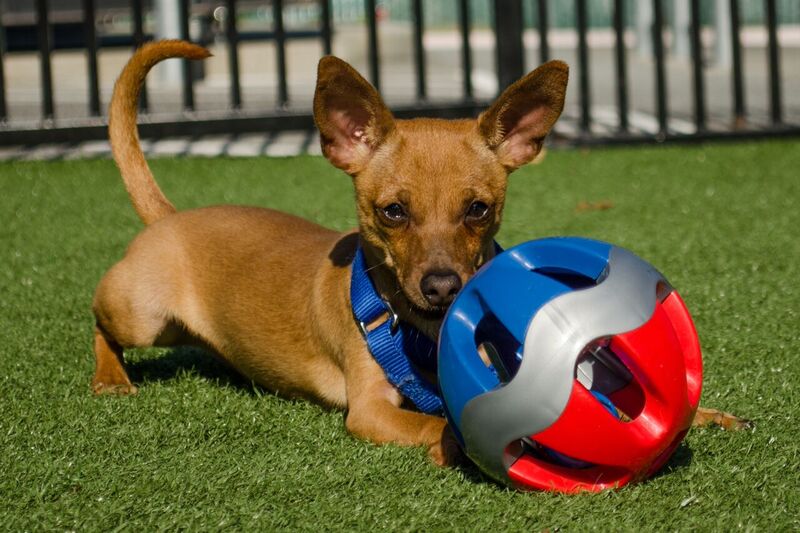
x,y
269,292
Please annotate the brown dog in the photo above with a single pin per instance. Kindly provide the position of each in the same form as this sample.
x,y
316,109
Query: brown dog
x,y
269,292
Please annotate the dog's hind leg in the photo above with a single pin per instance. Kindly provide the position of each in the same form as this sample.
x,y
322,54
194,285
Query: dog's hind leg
x,y
129,314
109,375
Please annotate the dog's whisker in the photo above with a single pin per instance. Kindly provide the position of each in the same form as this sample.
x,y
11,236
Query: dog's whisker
x,y
375,266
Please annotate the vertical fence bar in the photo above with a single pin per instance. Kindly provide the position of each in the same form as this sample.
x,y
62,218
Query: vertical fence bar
x,y
661,76
3,107
509,48
738,75
697,66
232,34
138,40
372,50
582,24
419,50
91,56
280,50
776,110
544,47
45,46
188,82
466,49
327,34
621,64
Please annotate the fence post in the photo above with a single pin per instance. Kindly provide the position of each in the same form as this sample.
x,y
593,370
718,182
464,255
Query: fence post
x,y
697,66
644,29
737,71
544,48
661,72
723,41
372,50
91,57
681,30
773,51
582,26
3,107
510,51
137,8
621,53
43,36
466,51
168,26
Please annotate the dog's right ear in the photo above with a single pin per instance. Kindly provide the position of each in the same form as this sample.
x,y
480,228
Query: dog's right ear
x,y
352,119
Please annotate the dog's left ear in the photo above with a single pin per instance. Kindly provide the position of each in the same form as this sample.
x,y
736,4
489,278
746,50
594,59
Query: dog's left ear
x,y
352,119
517,123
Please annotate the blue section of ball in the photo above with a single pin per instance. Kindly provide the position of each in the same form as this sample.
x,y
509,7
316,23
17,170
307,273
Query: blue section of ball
x,y
496,306
606,402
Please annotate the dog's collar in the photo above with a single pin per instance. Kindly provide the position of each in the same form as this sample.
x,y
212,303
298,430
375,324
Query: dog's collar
x,y
399,348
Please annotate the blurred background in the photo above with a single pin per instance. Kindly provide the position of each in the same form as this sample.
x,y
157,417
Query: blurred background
x,y
649,70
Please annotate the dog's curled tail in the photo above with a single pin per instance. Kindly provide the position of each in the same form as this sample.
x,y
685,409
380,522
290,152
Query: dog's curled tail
x,y
148,200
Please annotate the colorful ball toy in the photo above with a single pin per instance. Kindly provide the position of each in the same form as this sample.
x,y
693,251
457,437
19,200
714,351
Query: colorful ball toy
x,y
569,364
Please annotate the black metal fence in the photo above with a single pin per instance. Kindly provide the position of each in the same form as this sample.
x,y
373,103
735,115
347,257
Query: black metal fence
x,y
510,60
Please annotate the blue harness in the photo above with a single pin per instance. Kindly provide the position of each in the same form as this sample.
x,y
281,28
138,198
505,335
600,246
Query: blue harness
x,y
399,348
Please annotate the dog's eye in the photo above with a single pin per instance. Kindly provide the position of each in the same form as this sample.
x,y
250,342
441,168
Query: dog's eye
x,y
394,213
477,211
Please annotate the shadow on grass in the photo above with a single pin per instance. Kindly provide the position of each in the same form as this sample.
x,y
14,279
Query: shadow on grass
x,y
186,360
191,361
475,475
682,458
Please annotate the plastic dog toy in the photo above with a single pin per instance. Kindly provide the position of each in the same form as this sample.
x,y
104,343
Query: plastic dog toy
x,y
569,364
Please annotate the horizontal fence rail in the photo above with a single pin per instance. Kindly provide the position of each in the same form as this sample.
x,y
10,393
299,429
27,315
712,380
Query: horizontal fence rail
x,y
521,34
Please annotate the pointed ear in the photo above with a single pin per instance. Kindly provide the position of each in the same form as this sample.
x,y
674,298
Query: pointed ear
x,y
516,124
352,119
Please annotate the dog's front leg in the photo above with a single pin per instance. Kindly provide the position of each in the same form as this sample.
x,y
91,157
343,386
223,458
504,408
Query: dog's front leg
x,y
705,417
374,413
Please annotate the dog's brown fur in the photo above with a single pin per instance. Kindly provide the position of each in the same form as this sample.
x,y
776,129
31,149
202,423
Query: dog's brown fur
x,y
269,292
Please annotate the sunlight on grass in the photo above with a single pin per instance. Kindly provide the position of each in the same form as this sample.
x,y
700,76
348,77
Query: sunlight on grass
x,y
198,448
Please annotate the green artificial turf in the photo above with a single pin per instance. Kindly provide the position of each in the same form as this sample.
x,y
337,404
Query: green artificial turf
x,y
198,448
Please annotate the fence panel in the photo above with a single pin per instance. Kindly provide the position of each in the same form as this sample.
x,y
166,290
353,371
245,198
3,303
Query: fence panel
x,y
459,55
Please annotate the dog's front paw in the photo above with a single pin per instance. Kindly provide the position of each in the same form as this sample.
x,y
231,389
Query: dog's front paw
x,y
712,417
114,389
446,452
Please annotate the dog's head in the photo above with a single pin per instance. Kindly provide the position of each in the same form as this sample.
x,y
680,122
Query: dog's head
x,y
430,192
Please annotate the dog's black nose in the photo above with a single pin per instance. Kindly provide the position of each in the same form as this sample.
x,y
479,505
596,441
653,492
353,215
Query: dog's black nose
x,y
440,287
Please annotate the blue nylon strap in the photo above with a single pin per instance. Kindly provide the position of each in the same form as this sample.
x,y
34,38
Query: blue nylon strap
x,y
367,305
394,346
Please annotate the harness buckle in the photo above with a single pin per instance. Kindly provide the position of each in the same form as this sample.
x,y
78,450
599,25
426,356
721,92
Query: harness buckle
x,y
392,317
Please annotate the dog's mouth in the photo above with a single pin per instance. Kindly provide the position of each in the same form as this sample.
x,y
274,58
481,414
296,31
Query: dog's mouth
x,y
424,309
417,303
430,312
